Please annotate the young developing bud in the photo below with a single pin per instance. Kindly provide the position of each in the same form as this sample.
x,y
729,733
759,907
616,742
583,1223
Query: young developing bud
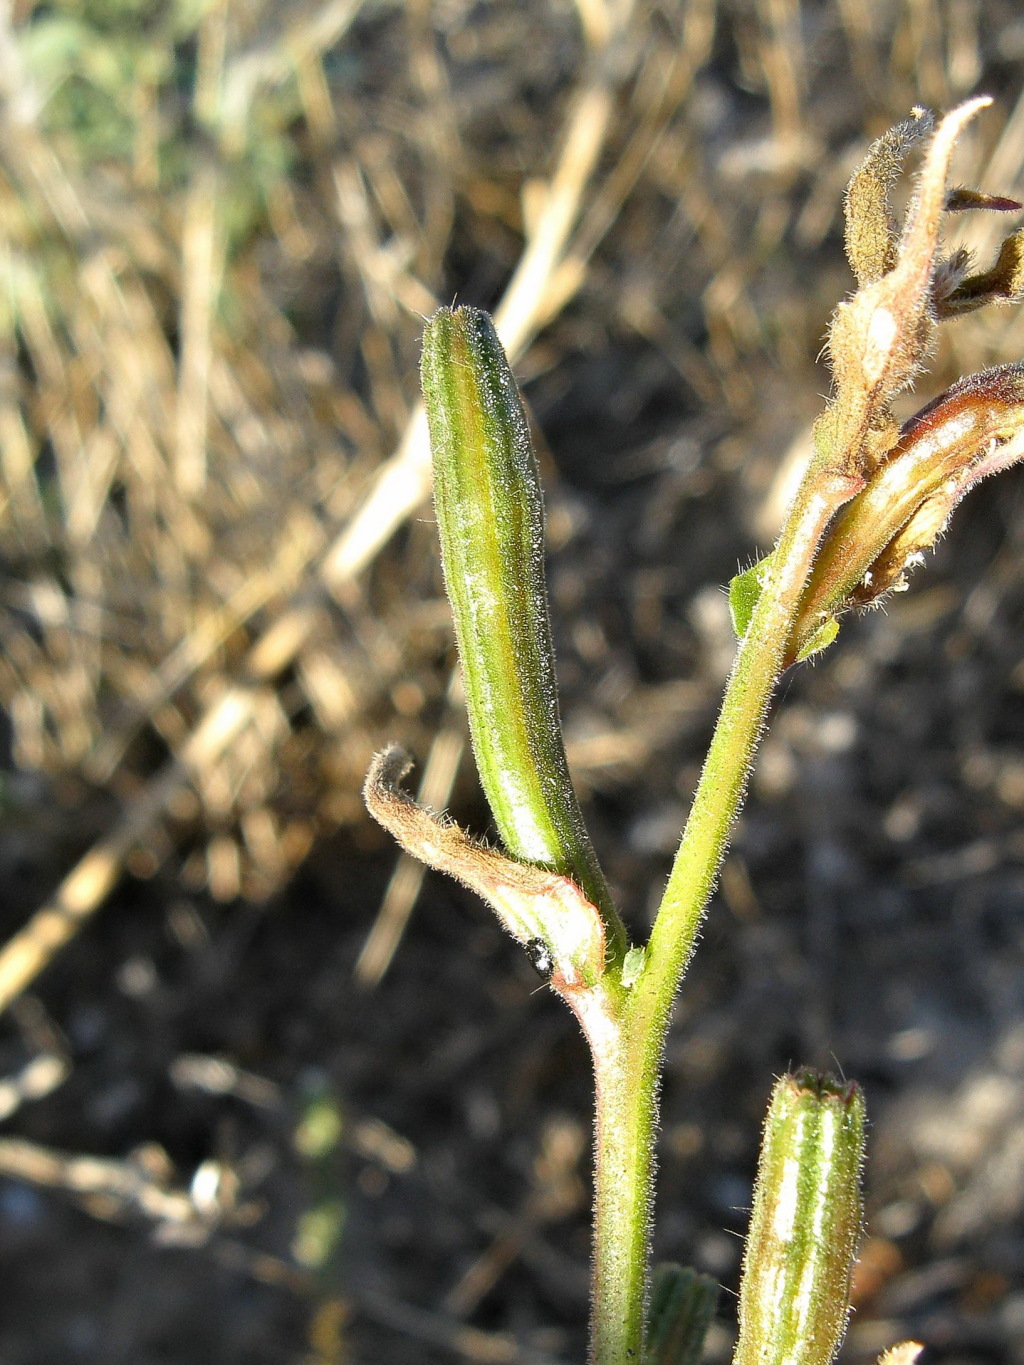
x,y
805,1224
490,521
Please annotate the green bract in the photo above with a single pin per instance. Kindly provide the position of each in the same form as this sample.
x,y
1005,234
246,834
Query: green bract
x,y
805,1225
682,1306
490,519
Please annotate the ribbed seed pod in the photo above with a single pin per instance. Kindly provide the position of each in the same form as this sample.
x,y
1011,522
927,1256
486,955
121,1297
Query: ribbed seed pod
x,y
490,520
805,1225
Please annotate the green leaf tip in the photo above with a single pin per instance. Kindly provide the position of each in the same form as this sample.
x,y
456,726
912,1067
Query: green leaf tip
x,y
490,521
805,1224
632,965
818,640
682,1306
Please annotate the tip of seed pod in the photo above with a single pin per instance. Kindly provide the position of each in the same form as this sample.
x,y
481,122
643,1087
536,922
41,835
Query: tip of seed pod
x,y
824,1086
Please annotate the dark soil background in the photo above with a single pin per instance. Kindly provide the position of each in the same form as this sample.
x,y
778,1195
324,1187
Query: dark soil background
x,y
244,1153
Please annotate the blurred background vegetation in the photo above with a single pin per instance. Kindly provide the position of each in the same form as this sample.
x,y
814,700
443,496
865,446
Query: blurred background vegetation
x,y
268,1097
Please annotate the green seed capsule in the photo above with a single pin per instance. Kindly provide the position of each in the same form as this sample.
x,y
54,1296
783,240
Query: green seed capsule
x,y
490,520
805,1225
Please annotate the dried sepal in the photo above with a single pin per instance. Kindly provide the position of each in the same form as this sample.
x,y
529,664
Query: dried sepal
x,y
962,198
950,273
532,904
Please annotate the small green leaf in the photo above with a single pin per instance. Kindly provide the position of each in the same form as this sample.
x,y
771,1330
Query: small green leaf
x,y
744,591
805,1224
682,1305
818,640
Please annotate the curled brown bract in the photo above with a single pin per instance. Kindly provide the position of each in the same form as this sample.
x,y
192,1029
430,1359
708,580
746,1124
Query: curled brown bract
x,y
531,902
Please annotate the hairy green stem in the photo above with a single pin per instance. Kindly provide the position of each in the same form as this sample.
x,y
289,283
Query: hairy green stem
x,y
723,780
628,1043
625,1113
